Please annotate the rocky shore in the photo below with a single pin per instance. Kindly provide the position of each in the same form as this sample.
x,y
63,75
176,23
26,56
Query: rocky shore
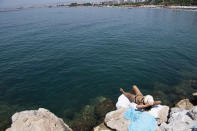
x,y
44,120
182,117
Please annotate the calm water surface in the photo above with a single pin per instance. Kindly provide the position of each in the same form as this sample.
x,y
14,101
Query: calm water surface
x,y
62,58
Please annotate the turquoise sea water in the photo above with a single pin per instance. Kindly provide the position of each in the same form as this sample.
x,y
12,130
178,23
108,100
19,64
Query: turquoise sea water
x,y
63,58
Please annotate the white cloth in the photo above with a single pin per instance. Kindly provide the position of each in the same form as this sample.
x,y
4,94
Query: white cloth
x,y
123,102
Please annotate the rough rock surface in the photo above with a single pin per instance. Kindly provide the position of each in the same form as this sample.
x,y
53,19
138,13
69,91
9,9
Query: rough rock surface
x,y
185,104
175,110
193,113
160,112
180,120
177,126
115,120
102,127
179,116
37,120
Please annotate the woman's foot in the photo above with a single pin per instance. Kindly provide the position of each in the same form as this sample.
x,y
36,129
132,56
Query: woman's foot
x,y
121,90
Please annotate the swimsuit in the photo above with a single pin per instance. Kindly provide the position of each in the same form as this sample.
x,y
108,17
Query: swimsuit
x,y
140,100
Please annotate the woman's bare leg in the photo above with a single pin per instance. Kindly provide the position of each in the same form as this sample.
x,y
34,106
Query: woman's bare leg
x,y
128,95
136,90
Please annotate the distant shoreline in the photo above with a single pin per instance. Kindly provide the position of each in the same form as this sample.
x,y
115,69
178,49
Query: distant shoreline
x,y
170,7
191,8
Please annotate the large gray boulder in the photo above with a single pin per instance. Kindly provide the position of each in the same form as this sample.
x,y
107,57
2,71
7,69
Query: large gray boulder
x,y
180,116
184,104
37,120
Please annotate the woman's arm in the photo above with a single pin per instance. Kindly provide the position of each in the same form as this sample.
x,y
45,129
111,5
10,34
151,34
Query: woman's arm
x,y
157,102
142,106
147,105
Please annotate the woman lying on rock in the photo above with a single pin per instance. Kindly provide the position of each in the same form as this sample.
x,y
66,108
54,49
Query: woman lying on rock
x,y
141,101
